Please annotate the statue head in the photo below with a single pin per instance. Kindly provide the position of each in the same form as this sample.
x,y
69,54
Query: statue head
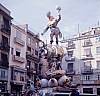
x,y
49,16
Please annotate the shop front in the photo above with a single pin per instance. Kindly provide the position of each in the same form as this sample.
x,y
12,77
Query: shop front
x,y
3,80
18,80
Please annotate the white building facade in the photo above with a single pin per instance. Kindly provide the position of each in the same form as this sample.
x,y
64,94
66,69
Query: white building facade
x,y
82,61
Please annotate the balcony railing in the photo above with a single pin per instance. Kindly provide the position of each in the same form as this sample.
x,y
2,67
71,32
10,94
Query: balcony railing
x,y
70,72
87,57
67,59
31,71
70,46
89,71
6,29
4,47
18,58
88,81
87,44
4,64
30,55
19,41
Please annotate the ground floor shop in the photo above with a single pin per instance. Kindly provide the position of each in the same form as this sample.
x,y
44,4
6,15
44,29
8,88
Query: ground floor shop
x,y
16,89
91,89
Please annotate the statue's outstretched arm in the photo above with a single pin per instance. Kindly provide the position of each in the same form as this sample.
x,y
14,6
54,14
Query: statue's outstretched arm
x,y
59,18
45,30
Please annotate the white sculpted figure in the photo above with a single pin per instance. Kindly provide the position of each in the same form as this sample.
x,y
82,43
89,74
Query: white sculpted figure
x,y
52,25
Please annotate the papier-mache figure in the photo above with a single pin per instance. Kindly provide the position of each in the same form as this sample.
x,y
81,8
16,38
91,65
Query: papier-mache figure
x,y
52,25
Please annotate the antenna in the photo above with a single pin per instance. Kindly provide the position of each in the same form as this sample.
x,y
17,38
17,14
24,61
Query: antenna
x,y
98,23
78,29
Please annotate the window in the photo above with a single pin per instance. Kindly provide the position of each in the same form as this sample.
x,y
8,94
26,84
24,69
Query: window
x,y
87,77
32,51
21,76
6,23
29,49
12,50
98,50
98,77
17,53
88,90
98,91
70,67
4,59
4,40
87,66
70,53
36,44
98,39
16,75
2,74
98,64
29,40
18,34
87,42
87,52
36,52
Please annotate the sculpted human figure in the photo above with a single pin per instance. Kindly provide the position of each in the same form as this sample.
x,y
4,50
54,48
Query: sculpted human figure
x,y
52,25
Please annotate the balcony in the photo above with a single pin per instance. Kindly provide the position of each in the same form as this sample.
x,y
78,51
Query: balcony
x,y
70,46
4,47
18,59
88,82
31,56
89,71
87,57
70,72
6,29
87,44
31,71
19,41
68,59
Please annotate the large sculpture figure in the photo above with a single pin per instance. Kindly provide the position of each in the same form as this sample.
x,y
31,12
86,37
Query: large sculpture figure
x,y
52,25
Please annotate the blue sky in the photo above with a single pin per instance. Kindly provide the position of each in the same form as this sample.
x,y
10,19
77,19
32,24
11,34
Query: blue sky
x,y
86,13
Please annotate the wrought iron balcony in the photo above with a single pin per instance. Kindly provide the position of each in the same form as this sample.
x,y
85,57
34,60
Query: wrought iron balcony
x,y
87,44
18,59
70,72
31,56
4,47
6,29
88,82
87,57
31,71
89,71
67,59
19,41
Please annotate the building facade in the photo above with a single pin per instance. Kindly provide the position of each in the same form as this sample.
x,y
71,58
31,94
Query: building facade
x,y
33,65
82,60
5,31
17,60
